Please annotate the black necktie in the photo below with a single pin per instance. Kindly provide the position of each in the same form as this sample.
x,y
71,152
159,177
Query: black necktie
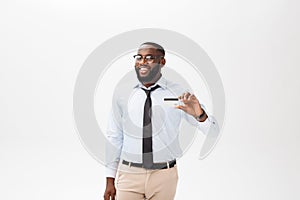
x,y
147,131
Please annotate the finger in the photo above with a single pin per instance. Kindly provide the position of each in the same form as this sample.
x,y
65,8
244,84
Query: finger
x,y
181,107
186,96
180,97
192,97
113,197
106,196
183,97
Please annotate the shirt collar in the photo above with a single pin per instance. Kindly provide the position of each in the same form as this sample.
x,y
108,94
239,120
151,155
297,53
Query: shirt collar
x,y
162,82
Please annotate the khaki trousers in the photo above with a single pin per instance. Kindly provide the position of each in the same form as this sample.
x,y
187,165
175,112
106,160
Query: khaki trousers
x,y
134,183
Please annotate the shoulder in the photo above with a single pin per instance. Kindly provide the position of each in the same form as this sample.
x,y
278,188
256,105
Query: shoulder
x,y
122,93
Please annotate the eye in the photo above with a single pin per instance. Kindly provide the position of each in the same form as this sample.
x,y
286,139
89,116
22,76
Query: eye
x,y
149,57
137,57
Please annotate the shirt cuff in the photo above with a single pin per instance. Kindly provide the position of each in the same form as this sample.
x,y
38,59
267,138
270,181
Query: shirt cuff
x,y
209,123
110,172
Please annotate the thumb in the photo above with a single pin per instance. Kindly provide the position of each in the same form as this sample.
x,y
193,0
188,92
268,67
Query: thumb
x,y
181,107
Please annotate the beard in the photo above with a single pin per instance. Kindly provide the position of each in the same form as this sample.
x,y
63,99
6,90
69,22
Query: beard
x,y
151,75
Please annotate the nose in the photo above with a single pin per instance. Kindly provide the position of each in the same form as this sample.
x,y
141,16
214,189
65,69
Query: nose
x,y
142,61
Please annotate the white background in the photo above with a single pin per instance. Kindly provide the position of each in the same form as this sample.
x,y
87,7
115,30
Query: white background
x,y
254,45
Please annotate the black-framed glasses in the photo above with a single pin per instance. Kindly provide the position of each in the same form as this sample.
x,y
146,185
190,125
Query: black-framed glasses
x,y
148,58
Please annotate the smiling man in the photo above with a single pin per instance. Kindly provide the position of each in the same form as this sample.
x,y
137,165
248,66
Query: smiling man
x,y
143,131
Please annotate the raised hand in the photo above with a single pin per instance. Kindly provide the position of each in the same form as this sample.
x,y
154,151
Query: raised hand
x,y
191,105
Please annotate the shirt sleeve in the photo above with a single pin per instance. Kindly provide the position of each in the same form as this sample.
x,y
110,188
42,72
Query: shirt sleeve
x,y
210,125
114,142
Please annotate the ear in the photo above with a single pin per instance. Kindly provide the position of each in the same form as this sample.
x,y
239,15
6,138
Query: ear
x,y
163,62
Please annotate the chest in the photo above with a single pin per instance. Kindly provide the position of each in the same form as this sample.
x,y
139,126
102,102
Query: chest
x,y
162,111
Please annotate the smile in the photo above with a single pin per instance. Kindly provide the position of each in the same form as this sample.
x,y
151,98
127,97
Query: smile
x,y
144,69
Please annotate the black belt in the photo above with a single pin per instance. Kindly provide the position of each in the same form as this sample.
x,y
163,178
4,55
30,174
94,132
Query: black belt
x,y
163,165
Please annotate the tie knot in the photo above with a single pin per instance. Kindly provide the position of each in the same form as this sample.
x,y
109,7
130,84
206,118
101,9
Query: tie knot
x,y
151,89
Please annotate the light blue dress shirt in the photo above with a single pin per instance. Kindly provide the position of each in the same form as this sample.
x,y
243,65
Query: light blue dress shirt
x,y
125,127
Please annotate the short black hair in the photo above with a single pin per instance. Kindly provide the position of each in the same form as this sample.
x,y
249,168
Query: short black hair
x,y
157,46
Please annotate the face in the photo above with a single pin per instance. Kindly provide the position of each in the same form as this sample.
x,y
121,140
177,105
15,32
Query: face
x,y
148,68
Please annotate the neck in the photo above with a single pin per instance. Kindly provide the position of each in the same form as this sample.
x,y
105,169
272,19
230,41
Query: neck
x,y
148,84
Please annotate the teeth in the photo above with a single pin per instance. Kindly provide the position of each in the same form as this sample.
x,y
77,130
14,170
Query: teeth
x,y
143,69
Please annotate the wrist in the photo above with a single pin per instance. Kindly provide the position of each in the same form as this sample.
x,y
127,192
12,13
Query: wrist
x,y
110,180
198,110
202,116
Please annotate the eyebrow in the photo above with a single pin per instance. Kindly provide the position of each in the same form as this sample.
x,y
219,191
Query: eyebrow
x,y
144,55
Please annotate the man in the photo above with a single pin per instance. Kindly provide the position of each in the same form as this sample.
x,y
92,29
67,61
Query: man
x,y
143,132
